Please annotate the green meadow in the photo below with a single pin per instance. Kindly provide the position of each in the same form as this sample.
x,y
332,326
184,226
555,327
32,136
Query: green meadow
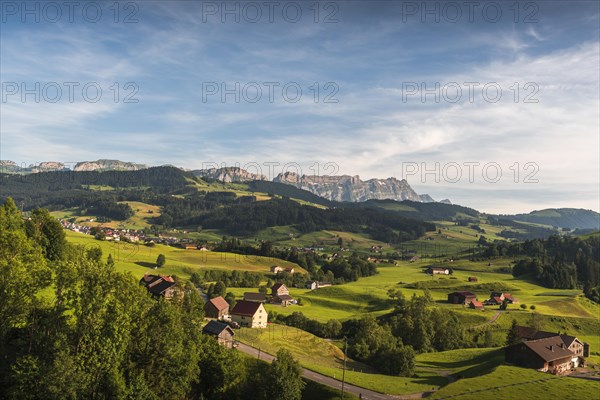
x,y
139,259
508,382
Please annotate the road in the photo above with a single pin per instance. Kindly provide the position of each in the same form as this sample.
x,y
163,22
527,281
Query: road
x,y
326,380
491,321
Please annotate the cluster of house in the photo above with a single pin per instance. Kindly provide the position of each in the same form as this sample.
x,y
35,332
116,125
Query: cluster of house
x,y
547,351
132,235
470,299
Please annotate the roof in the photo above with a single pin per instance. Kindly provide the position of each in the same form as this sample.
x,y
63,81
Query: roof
x,y
477,304
219,303
277,286
245,308
157,284
528,333
464,293
215,328
497,299
549,349
285,297
251,296
568,340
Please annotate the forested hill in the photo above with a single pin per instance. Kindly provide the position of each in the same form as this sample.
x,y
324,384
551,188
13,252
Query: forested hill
x,y
282,189
571,218
425,211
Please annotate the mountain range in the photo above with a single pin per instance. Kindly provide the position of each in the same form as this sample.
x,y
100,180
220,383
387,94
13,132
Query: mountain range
x,y
326,190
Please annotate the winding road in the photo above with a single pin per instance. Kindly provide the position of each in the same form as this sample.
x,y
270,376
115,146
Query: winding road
x,y
326,380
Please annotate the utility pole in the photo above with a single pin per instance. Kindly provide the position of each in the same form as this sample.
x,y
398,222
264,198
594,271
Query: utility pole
x,y
344,370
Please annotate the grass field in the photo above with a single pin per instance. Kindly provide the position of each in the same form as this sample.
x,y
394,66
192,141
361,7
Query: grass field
x,y
324,357
507,382
138,259
140,220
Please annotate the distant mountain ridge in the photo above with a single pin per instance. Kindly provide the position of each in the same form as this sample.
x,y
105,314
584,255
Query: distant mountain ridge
x,y
352,188
10,167
228,174
571,218
343,188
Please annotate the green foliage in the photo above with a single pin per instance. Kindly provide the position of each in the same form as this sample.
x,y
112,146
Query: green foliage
x,y
222,372
47,232
23,271
284,379
512,337
161,260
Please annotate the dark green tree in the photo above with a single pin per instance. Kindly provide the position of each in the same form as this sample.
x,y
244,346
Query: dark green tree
x,y
513,334
161,260
47,232
284,381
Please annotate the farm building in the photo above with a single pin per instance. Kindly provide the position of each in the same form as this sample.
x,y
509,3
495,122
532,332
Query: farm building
x,y
289,270
575,345
315,285
159,285
473,279
283,299
249,314
497,298
216,308
547,355
438,271
275,269
258,297
278,289
463,297
477,305
221,331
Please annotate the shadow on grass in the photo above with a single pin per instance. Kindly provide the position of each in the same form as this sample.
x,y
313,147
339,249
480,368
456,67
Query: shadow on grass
x,y
483,362
145,264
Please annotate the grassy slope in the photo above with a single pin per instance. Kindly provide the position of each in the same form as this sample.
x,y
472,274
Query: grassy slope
x,y
324,357
137,259
507,382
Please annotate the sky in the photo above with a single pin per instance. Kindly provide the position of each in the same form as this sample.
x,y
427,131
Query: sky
x,y
493,105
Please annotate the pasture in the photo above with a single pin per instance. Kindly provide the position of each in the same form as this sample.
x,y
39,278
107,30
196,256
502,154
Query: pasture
x,y
138,258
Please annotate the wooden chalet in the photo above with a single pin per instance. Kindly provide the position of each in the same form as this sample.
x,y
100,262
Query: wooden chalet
x,y
222,332
216,308
462,297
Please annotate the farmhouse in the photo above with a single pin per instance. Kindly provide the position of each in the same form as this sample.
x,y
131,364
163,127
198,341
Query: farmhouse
x,y
283,299
289,270
497,298
279,289
159,285
216,308
547,355
221,331
461,297
258,297
276,269
575,345
477,305
312,285
249,314
438,271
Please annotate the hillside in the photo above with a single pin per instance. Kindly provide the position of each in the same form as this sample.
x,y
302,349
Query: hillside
x,y
572,218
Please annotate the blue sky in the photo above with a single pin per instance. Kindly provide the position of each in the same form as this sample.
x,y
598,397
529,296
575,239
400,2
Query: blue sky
x,y
370,58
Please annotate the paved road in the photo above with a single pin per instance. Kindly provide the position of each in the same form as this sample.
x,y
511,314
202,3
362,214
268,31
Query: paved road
x,y
326,380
